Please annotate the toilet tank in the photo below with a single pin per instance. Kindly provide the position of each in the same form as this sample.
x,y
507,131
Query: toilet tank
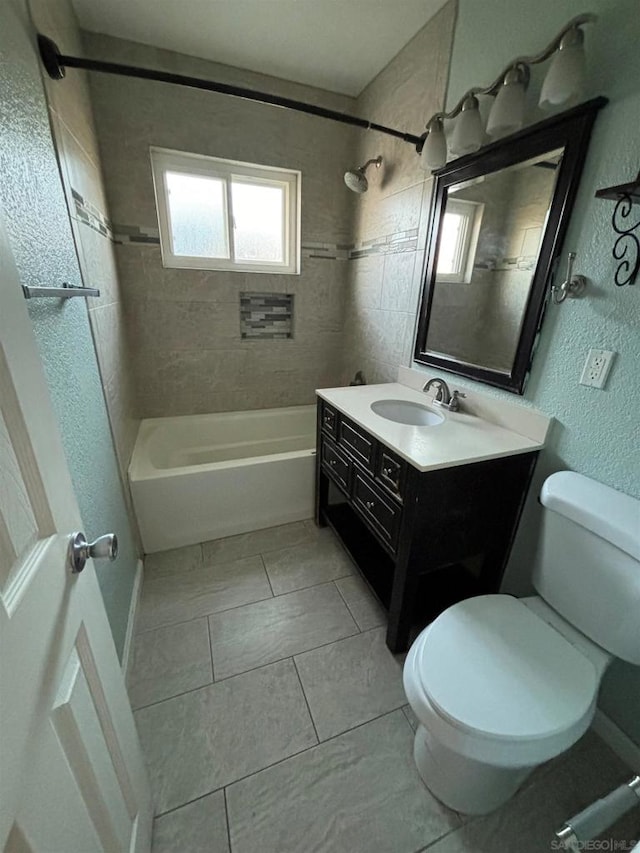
x,y
587,566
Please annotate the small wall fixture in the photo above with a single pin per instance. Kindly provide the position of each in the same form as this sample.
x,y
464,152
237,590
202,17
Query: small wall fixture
x,y
626,248
562,85
573,285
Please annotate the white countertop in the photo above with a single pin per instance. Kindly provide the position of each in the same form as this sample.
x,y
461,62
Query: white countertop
x,y
460,439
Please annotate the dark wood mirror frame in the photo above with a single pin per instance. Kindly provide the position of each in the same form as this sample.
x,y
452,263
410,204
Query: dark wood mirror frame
x,y
570,130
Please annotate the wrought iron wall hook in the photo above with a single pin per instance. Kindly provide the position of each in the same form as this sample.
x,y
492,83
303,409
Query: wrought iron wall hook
x,y
626,248
572,287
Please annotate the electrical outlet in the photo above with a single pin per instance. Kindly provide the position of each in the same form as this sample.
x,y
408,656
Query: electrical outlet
x,y
596,368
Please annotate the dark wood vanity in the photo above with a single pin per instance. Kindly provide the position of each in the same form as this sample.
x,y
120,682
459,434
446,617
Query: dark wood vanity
x,y
422,540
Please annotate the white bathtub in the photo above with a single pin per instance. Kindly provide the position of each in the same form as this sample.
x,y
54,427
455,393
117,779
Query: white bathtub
x,y
202,477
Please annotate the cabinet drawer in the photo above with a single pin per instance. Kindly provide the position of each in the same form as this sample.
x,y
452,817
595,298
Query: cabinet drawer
x,y
336,465
329,418
377,510
357,443
391,471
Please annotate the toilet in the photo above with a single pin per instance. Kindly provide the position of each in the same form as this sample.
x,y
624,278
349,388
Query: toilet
x,y
499,684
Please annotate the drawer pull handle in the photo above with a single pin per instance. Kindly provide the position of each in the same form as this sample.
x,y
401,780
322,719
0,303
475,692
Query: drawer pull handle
x,y
369,504
328,419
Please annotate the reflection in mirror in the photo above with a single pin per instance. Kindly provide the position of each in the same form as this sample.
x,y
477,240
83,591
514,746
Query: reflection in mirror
x,y
488,247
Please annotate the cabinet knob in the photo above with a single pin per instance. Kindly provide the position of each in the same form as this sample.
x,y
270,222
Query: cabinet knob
x,y
332,462
386,472
369,504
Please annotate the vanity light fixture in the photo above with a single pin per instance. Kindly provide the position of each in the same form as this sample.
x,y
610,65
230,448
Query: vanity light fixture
x,y
563,85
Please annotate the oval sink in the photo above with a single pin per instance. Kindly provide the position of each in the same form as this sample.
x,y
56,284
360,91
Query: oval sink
x,y
405,412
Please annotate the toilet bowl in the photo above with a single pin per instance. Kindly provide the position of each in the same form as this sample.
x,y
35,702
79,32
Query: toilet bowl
x,y
500,685
497,691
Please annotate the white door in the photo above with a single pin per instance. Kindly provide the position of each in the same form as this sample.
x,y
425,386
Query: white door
x,y
72,775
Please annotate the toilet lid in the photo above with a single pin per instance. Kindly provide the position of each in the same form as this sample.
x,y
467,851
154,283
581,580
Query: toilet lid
x,y
490,665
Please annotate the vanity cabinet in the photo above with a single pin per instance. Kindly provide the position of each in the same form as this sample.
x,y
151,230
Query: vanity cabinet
x,y
422,540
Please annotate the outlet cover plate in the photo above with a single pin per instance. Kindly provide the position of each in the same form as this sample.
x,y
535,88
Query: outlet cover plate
x,y
596,368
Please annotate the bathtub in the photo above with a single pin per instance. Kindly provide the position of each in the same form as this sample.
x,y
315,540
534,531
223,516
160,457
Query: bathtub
x,y
203,477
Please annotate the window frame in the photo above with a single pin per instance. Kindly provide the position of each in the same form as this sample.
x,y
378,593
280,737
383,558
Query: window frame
x,y
165,160
472,211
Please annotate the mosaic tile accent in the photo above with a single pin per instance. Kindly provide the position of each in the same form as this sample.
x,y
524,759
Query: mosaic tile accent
x,y
136,234
89,215
266,316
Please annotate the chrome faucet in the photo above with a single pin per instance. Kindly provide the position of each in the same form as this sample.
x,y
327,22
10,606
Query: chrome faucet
x,y
443,396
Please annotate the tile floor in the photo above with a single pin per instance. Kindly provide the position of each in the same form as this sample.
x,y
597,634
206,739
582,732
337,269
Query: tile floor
x,y
273,717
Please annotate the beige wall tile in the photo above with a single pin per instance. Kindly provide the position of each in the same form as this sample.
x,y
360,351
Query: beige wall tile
x,y
184,325
383,290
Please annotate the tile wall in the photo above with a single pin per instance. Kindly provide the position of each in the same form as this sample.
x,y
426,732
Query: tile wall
x,y
390,219
188,355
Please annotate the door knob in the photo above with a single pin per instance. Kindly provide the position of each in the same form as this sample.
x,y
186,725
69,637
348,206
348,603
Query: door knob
x,y
103,548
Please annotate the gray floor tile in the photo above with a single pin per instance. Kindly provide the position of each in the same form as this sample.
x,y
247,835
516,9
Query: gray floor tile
x,y
175,560
350,682
199,827
358,793
528,821
256,542
259,633
203,740
320,560
364,606
168,661
176,598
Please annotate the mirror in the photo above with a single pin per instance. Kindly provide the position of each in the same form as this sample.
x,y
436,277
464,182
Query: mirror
x,y
496,227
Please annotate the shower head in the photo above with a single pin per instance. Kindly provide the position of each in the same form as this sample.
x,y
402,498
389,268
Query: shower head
x,y
356,179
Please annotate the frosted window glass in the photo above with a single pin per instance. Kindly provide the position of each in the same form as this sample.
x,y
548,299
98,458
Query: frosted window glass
x,y
451,244
197,216
258,216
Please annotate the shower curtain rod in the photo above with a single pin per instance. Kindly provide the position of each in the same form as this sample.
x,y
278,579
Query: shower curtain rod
x,y
55,64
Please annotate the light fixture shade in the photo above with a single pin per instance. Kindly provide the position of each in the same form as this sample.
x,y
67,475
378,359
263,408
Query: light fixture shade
x,y
434,150
468,132
507,111
565,77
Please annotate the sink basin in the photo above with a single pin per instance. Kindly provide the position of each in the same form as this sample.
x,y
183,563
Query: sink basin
x,y
405,412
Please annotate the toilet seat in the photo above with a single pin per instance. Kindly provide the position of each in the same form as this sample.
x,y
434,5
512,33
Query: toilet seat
x,y
497,683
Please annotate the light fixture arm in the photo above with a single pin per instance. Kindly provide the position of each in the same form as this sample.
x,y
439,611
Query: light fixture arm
x,y
521,63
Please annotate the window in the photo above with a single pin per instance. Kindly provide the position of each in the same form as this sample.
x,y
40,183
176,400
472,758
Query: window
x,y
458,240
224,215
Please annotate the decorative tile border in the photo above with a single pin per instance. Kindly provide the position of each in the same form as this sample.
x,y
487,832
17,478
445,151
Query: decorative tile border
x,y
89,215
266,316
400,241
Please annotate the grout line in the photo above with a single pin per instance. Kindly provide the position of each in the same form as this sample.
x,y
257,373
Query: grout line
x,y
311,586
226,816
205,615
346,603
248,603
213,669
264,566
279,660
173,696
306,701
280,761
